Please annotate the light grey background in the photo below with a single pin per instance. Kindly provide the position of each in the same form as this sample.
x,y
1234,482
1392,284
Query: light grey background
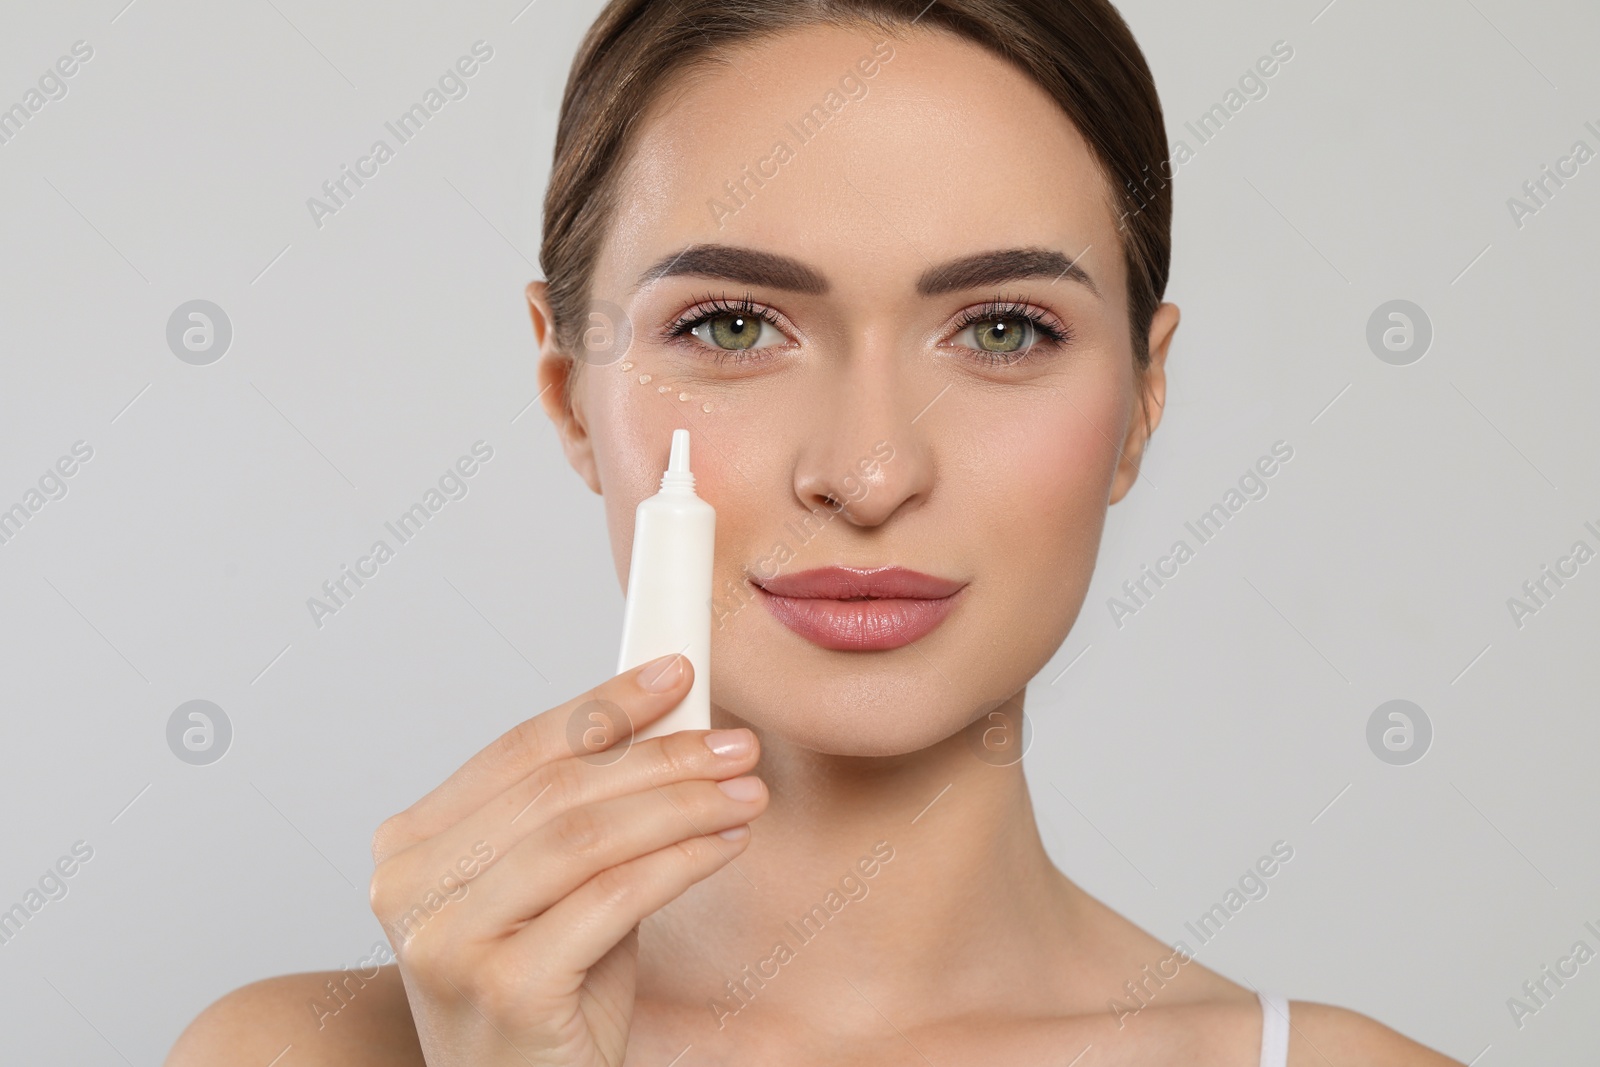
x,y
369,354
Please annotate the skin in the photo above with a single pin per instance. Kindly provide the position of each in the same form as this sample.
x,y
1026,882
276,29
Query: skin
x,y
969,946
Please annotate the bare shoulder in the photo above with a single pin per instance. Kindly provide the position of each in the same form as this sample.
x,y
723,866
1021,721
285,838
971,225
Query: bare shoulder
x,y
325,1017
1191,999
1321,1034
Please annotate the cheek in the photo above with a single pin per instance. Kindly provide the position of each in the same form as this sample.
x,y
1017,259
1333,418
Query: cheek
x,y
631,425
1052,467
630,431
1043,482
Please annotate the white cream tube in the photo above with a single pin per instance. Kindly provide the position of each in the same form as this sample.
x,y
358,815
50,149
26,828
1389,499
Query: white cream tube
x,y
668,605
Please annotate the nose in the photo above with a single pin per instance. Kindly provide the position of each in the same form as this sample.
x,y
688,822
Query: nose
x,y
865,454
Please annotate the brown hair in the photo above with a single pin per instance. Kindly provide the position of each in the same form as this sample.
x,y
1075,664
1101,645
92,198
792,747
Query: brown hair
x,y
1079,51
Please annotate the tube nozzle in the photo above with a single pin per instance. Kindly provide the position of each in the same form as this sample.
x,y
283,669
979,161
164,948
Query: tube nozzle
x,y
677,474
678,461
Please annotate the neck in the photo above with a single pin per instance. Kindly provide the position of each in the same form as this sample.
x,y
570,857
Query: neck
x,y
920,878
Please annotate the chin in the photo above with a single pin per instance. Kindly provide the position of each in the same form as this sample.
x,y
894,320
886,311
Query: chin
x,y
869,704
847,712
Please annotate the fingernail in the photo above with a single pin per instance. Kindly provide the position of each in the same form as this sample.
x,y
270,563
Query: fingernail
x,y
734,833
662,674
746,788
731,743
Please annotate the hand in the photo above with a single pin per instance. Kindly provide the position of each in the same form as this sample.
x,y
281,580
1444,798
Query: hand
x,y
512,893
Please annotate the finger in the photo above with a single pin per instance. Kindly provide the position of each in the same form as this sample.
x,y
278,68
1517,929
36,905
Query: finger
x,y
574,727
560,945
565,784
567,851
462,852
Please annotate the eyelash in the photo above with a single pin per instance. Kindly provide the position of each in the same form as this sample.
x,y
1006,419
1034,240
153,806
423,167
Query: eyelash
x,y
1002,308
711,307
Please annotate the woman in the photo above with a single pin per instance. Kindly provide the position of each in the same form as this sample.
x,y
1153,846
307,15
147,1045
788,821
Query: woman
x,y
899,268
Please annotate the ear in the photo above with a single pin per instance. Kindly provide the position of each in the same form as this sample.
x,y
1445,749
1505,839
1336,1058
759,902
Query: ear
x,y
1151,400
558,388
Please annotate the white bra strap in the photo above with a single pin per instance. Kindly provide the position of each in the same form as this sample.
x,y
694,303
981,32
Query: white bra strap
x,y
1274,1030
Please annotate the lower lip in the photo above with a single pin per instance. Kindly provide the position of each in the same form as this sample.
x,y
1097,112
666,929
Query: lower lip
x,y
859,625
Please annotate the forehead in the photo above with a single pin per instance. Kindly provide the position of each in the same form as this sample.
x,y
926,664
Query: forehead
x,y
943,149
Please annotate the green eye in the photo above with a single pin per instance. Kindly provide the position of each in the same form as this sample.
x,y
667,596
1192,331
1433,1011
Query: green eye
x,y
734,332
1006,333
1003,335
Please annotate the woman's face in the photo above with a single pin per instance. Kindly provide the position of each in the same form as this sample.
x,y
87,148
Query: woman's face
x,y
844,347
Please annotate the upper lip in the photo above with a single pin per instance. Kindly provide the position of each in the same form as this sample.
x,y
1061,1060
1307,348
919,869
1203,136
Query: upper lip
x,y
845,583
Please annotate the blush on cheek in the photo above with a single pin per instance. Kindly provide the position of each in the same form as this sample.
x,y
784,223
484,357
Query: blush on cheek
x,y
1062,456
1046,481
1062,484
1042,543
1090,449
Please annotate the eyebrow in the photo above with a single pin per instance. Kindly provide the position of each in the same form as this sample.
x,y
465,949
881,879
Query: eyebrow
x,y
1012,264
768,269
733,264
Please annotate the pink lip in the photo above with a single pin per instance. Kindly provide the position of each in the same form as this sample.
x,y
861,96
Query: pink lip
x,y
903,605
